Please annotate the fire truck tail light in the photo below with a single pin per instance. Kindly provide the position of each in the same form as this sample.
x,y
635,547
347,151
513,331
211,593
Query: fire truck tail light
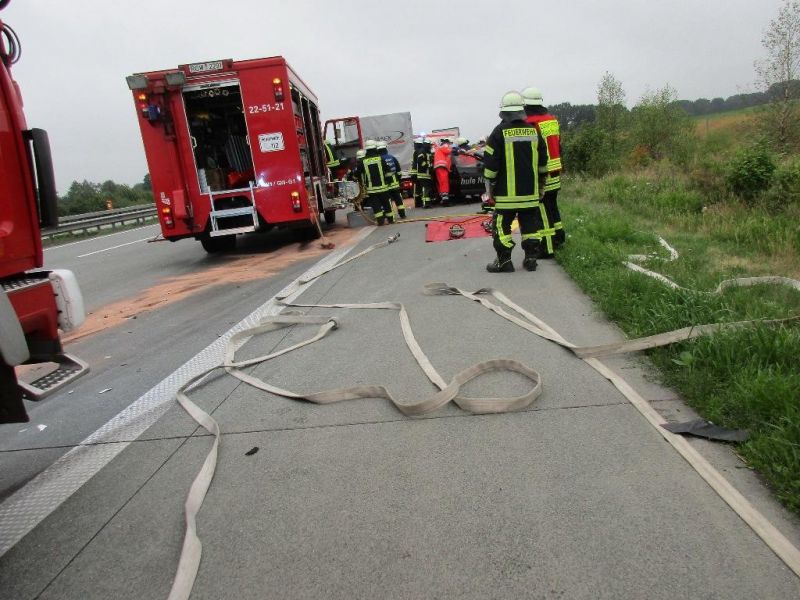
x,y
166,212
277,88
296,202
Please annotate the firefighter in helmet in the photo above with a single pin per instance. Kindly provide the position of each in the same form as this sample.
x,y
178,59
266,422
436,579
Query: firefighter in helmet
x,y
331,159
515,163
394,186
442,165
422,165
552,232
374,172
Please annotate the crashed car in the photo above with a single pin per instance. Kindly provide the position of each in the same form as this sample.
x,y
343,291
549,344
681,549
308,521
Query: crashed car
x,y
466,179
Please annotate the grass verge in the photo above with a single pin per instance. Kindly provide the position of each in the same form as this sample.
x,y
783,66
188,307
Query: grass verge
x,y
748,378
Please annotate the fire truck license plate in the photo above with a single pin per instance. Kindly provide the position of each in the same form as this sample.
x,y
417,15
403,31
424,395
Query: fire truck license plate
x,y
270,142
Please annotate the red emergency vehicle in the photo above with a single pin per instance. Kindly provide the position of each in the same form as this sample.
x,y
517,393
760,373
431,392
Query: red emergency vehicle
x,y
232,147
34,304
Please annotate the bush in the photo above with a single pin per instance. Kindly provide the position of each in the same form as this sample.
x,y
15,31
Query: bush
x,y
708,179
750,171
784,190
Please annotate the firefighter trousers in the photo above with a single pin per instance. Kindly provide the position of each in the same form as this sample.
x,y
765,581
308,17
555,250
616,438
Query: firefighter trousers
x,y
422,192
397,197
529,220
551,233
381,206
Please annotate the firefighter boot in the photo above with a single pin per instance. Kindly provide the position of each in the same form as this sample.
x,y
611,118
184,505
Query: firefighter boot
x,y
446,200
531,248
501,264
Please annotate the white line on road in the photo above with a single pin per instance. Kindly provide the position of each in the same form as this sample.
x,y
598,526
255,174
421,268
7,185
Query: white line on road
x,y
29,505
113,247
98,237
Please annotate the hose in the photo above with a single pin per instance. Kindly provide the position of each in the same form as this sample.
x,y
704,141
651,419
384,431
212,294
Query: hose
x,y
14,46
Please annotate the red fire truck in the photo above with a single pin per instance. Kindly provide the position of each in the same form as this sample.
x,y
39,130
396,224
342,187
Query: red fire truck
x,y
232,147
34,304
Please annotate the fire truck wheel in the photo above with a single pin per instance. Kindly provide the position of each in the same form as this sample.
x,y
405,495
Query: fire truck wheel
x,y
330,217
213,245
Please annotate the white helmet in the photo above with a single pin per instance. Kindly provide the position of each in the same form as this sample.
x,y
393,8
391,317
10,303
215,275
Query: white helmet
x,y
532,96
382,145
461,141
426,140
511,102
370,145
361,153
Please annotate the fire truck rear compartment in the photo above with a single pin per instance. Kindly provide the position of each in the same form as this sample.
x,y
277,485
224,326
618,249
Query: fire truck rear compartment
x,y
219,138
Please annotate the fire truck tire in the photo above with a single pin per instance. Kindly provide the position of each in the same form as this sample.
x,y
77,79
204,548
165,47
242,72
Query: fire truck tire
x,y
330,217
12,409
214,245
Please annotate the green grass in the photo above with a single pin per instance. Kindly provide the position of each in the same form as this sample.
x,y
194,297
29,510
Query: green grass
x,y
747,378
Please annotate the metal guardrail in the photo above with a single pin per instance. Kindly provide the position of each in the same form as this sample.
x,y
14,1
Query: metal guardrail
x,y
97,220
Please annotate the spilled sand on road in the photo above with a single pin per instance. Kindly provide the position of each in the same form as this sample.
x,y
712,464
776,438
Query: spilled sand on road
x,y
236,269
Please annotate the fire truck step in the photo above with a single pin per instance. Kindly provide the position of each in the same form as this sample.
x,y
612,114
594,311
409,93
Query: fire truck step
x,y
233,212
232,231
69,368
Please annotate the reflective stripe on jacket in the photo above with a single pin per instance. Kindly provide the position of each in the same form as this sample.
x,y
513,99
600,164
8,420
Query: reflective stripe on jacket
x,y
548,127
514,158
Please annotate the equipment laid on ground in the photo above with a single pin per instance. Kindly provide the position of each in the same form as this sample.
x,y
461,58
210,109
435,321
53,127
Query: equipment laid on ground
x,y
34,304
232,147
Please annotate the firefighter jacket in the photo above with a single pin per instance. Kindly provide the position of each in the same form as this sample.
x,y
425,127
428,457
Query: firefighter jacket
x,y
417,150
374,171
548,127
330,157
514,158
394,170
422,164
442,158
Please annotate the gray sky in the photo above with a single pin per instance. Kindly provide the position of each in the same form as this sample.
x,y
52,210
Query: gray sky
x,y
448,62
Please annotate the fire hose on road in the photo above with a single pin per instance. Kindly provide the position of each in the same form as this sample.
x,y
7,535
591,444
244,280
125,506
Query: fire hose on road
x,y
189,561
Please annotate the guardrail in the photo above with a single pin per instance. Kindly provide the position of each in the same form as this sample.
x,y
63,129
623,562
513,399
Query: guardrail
x,y
97,220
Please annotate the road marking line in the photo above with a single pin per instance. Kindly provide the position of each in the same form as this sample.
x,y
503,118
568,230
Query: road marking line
x,y
97,237
28,506
113,247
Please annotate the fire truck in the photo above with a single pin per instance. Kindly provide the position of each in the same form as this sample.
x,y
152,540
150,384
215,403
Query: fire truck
x,y
232,147
34,303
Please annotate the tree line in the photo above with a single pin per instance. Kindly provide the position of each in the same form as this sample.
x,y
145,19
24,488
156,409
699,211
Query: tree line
x,y
86,196
574,115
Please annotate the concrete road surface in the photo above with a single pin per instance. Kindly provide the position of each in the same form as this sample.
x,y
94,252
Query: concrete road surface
x,y
575,497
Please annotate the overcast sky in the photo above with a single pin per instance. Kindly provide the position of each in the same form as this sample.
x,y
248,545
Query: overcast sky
x,y
447,62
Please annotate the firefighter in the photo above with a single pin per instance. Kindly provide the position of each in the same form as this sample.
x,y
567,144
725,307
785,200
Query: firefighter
x,y
418,149
515,163
552,232
331,160
462,146
422,164
442,165
357,174
394,185
374,171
